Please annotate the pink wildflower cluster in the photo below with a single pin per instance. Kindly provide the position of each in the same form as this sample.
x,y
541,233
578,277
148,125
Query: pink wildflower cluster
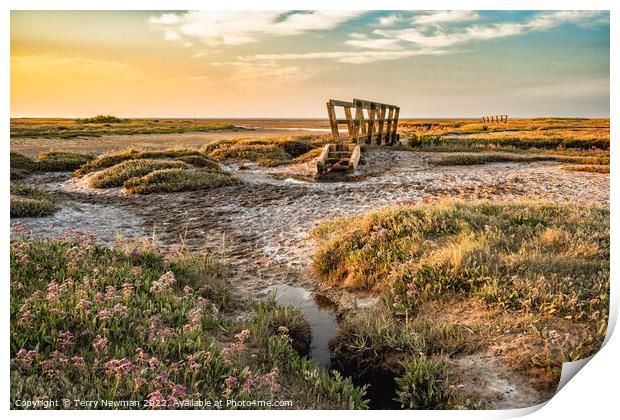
x,y
117,310
159,332
100,344
163,284
229,351
194,320
67,340
24,358
120,367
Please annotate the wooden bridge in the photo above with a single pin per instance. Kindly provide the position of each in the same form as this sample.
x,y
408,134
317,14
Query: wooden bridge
x,y
495,118
373,123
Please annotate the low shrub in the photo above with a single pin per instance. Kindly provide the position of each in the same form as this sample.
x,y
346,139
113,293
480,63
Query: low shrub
x,y
21,166
62,161
263,154
30,207
31,202
113,158
200,162
424,385
286,321
173,180
116,175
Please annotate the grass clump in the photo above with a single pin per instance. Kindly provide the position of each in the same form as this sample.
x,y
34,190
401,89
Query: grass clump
x,y
31,202
274,320
101,119
138,331
423,384
599,169
21,166
110,159
200,162
265,152
544,257
174,180
116,175
62,161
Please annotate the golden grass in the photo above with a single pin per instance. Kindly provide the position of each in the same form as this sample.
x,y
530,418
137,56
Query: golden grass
x,y
108,125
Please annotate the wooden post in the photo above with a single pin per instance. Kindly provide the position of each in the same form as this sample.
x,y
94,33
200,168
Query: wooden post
x,y
347,114
388,126
363,121
381,123
332,121
371,122
359,117
393,136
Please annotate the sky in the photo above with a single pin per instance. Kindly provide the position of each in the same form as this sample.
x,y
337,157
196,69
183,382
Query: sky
x,y
272,64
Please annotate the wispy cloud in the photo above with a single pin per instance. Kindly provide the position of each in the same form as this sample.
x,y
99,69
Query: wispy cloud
x,y
444,16
241,27
353,57
434,33
429,30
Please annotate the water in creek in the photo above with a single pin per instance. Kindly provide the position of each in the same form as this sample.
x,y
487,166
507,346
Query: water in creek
x,y
319,311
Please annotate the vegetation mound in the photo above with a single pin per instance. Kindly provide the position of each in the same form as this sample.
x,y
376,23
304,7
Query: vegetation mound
x,y
174,180
116,175
31,202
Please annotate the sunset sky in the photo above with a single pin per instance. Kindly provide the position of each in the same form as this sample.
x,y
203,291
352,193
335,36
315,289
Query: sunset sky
x,y
287,64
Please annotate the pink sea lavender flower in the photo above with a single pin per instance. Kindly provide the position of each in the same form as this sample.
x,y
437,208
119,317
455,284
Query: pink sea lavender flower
x,y
52,292
100,344
139,381
78,361
83,305
24,358
156,400
67,340
127,290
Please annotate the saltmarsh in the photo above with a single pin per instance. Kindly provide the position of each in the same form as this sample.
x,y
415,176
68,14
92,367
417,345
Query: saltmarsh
x,y
527,272
142,323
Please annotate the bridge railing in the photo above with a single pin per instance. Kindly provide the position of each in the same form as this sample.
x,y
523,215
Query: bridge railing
x,y
372,122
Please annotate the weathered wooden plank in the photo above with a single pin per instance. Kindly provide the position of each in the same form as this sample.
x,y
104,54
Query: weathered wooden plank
x,y
381,124
320,163
349,121
332,121
371,122
367,104
388,128
363,121
336,102
357,123
355,158
393,137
